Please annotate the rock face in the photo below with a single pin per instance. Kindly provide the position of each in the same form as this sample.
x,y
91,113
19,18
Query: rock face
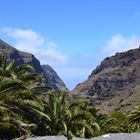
x,y
52,79
115,83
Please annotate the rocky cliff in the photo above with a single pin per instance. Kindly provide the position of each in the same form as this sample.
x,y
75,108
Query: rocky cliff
x,y
51,77
115,83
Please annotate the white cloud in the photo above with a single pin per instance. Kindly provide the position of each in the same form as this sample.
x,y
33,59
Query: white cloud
x,y
119,43
26,40
52,55
30,41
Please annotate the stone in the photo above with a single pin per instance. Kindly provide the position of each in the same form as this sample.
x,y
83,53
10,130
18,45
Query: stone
x,y
48,138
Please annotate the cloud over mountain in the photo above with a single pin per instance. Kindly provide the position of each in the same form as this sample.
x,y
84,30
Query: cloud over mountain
x,y
119,43
31,41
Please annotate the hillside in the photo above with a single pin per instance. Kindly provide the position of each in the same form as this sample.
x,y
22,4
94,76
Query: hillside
x,y
114,84
51,77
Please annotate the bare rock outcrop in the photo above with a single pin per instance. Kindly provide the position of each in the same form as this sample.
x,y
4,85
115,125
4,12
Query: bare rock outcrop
x,y
115,83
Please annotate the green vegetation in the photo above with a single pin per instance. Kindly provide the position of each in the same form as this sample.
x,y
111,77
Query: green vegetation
x,y
29,109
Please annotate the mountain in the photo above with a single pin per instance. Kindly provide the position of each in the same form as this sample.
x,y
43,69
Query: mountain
x,y
51,77
114,84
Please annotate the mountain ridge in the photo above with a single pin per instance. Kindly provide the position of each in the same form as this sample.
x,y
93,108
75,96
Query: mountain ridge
x,y
23,57
117,77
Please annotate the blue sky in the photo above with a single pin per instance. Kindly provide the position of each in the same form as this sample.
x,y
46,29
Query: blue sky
x,y
73,36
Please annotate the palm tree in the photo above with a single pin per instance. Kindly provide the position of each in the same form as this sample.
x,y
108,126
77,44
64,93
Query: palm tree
x,y
20,107
54,109
80,121
116,122
69,118
24,72
10,92
134,118
99,120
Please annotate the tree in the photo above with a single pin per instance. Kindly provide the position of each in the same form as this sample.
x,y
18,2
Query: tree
x,y
10,96
20,106
69,118
134,118
80,121
116,122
